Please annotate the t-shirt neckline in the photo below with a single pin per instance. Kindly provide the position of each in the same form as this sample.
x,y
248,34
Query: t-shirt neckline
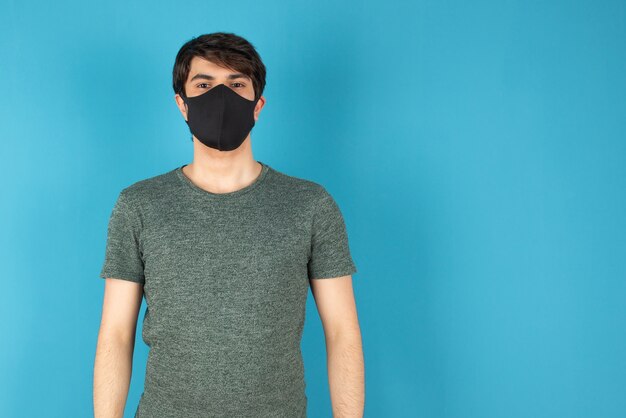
x,y
197,189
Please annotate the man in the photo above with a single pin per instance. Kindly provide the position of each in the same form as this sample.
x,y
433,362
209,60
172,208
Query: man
x,y
224,250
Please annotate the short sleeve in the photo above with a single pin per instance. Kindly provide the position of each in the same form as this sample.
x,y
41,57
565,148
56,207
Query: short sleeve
x,y
330,250
123,256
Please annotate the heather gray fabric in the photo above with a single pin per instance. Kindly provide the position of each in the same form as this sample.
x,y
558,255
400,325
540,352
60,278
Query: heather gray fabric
x,y
226,277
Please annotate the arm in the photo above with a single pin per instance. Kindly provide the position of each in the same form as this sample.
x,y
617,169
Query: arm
x,y
116,343
346,372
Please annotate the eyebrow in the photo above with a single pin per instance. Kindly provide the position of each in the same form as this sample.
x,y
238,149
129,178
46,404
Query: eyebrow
x,y
210,77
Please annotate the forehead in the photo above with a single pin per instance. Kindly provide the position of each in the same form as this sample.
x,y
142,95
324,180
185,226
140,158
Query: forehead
x,y
201,68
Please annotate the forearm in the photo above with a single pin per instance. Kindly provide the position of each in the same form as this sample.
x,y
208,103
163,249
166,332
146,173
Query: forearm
x,y
346,374
112,373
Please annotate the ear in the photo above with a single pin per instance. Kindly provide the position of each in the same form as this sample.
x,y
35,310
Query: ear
x,y
182,106
258,107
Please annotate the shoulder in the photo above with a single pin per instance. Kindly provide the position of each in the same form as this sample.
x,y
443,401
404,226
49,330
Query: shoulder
x,y
298,187
316,197
149,188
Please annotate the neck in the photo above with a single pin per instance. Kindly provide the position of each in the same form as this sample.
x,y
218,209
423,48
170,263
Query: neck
x,y
222,171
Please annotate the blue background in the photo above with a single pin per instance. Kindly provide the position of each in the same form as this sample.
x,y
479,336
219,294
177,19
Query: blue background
x,y
477,151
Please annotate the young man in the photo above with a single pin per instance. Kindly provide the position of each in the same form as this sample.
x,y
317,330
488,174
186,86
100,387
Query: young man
x,y
224,250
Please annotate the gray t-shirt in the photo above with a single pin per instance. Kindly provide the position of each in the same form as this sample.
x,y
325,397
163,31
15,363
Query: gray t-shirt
x,y
226,277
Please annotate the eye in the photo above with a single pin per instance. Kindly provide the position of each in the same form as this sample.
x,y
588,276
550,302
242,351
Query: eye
x,y
242,85
202,84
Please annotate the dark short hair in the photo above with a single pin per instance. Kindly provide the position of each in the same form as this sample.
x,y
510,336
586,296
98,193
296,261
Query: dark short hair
x,y
224,49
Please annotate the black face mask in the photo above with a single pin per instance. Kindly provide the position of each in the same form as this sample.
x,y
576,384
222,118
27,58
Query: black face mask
x,y
220,118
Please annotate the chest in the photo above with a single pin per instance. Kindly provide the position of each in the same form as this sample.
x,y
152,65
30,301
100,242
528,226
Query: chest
x,y
243,239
